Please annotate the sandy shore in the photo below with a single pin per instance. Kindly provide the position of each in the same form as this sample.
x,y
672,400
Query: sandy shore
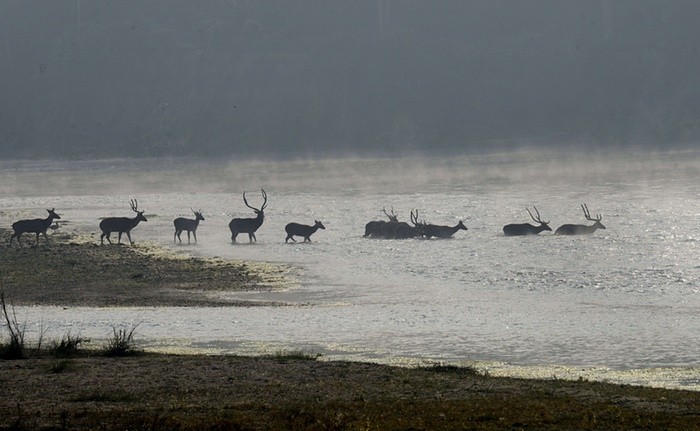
x,y
162,392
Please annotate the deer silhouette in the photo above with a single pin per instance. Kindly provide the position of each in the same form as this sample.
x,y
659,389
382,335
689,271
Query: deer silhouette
x,y
249,225
403,230
374,228
581,229
37,226
187,224
296,229
121,224
520,229
438,231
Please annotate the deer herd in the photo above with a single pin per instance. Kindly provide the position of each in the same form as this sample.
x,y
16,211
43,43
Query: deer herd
x,y
385,229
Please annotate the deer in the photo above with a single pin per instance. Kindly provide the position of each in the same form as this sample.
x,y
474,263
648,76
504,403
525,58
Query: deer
x,y
121,224
374,228
187,224
581,229
296,229
438,231
520,229
403,230
249,225
37,226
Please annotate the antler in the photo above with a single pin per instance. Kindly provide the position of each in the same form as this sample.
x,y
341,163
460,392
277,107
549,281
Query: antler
x,y
263,205
264,195
134,205
414,218
392,216
538,219
588,214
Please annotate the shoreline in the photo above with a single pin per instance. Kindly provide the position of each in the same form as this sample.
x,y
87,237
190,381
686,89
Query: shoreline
x,y
282,390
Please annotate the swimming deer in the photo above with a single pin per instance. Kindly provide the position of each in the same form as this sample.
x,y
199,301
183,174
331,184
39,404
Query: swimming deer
x,y
438,231
121,224
374,228
581,229
248,225
519,229
296,229
187,224
403,230
37,226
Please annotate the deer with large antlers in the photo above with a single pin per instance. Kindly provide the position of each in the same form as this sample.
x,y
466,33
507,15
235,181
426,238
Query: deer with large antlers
x,y
249,225
121,224
519,229
374,228
581,229
403,230
37,226
187,224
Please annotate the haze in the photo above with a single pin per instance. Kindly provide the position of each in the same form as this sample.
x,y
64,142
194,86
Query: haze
x,y
242,79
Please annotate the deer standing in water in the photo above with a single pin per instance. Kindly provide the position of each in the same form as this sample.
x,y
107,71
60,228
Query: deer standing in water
x,y
121,224
187,224
296,229
581,229
249,225
438,231
404,230
37,226
519,229
374,228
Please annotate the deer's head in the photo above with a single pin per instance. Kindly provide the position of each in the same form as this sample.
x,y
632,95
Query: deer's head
x,y
135,208
544,225
52,213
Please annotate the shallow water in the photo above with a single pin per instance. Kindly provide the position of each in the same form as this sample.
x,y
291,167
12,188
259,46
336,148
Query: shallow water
x,y
622,304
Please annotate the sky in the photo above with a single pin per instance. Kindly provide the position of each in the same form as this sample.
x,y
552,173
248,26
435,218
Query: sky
x,y
305,78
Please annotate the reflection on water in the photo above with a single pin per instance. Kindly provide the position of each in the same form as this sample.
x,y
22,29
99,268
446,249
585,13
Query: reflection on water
x,y
620,304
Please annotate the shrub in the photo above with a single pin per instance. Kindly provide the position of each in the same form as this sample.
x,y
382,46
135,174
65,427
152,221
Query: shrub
x,y
67,347
15,348
122,343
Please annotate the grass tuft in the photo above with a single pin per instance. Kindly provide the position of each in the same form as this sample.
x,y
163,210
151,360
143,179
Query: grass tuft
x,y
67,347
122,343
15,348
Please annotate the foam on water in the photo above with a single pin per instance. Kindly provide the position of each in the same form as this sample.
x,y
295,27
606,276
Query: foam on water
x,y
620,305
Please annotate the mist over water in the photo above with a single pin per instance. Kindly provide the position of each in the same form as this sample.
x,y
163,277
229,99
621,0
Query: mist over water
x,y
623,298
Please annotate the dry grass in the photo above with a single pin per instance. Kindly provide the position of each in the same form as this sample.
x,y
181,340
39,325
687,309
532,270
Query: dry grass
x,y
160,392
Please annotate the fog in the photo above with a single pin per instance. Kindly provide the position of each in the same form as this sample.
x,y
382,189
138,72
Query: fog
x,y
247,79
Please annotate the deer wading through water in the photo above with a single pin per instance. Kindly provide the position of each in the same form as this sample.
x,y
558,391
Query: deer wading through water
x,y
121,224
249,225
519,229
374,228
581,229
296,229
187,224
37,226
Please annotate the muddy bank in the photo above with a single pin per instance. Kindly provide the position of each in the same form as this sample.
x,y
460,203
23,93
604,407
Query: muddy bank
x,y
75,271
